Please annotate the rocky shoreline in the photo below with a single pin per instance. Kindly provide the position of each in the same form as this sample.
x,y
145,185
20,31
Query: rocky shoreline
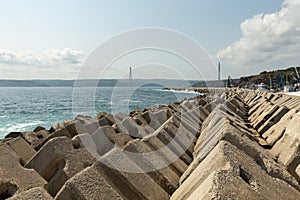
x,y
226,144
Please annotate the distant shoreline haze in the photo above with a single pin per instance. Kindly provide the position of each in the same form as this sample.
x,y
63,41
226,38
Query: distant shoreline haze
x,y
98,83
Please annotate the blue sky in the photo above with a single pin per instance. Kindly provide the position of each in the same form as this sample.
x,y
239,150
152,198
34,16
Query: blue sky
x,y
51,39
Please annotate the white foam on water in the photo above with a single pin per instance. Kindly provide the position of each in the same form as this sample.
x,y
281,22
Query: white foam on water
x,y
294,93
126,100
19,126
186,91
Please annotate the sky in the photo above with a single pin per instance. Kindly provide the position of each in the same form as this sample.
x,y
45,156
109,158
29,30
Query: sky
x,y
55,39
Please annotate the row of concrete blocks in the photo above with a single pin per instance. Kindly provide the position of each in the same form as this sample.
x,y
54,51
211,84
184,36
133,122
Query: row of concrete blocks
x,y
73,161
229,163
71,158
276,118
138,124
120,140
283,136
137,169
266,109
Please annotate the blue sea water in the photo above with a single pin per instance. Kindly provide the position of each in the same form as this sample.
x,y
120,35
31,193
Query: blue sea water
x,y
24,108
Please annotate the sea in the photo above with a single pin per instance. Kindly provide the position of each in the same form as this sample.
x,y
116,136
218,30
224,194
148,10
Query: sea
x,y
24,108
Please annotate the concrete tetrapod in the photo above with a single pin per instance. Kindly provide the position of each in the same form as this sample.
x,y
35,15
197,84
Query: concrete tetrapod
x,y
60,159
226,130
287,149
228,173
36,193
14,178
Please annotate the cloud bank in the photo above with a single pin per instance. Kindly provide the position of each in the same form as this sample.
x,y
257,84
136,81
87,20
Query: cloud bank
x,y
46,58
268,38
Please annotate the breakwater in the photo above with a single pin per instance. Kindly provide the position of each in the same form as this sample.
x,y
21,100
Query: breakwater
x,y
228,143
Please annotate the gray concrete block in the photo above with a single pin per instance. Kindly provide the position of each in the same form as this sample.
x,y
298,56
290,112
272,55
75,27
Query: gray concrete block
x,y
58,160
36,193
69,130
137,181
266,114
274,133
153,164
287,149
161,115
22,148
171,157
273,119
227,172
239,138
151,119
35,138
14,178
102,142
90,184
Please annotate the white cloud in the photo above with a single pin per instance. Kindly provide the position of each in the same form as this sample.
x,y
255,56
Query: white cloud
x,y
46,58
268,38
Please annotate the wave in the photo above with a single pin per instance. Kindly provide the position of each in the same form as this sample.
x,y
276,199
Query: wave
x,y
20,126
133,101
294,93
186,91
125,100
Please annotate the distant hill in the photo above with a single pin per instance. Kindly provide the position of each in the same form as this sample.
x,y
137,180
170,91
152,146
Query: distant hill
x,y
289,75
99,83
216,83
22,83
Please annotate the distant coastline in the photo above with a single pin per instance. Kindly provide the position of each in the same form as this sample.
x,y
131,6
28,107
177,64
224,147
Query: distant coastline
x,y
290,75
98,83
